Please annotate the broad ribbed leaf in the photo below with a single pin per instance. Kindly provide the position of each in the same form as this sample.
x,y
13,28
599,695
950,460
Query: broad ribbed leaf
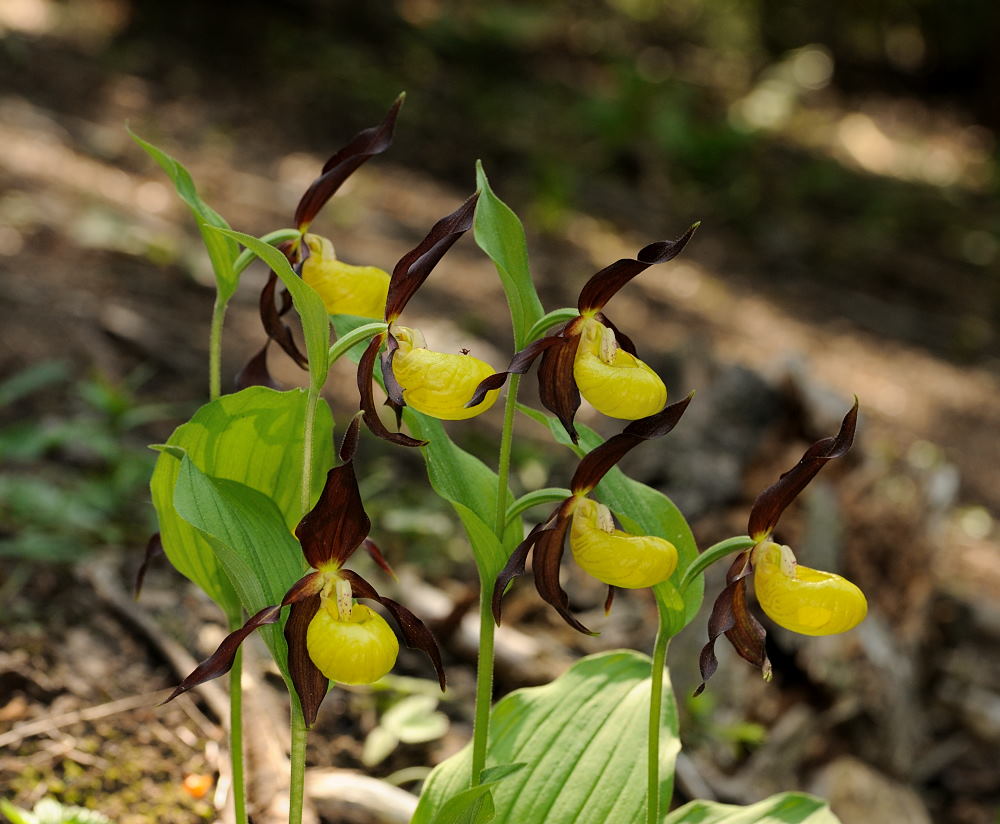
x,y
499,233
222,251
582,739
785,808
249,537
309,305
253,437
641,509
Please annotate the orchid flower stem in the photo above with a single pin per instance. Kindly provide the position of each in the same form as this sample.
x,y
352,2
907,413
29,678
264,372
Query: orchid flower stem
x,y
655,704
215,348
312,400
484,666
296,788
236,736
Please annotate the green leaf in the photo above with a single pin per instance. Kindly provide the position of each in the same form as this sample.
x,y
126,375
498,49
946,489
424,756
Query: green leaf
x,y
251,540
642,510
309,305
785,808
222,251
499,233
461,808
582,739
414,719
253,437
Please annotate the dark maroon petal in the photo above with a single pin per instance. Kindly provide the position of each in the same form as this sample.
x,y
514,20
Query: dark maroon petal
x,y
513,568
610,599
415,632
376,555
392,387
414,267
277,330
310,684
305,587
154,550
256,373
624,341
732,617
337,525
349,445
344,163
546,562
556,385
772,501
519,364
596,463
366,370
221,661
605,284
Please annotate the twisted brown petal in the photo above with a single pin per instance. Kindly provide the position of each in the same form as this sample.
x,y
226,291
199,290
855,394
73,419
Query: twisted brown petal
x,y
256,373
556,385
366,370
276,329
393,390
546,563
513,568
221,661
376,555
343,164
605,284
519,364
610,599
154,550
414,267
415,632
731,616
596,463
772,501
337,525
310,684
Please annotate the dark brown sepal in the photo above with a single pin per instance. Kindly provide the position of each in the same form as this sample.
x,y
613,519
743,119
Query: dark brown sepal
x,y
731,616
624,341
414,267
337,525
276,329
414,631
343,164
513,569
598,462
546,562
366,371
519,364
772,501
610,599
393,390
256,373
221,661
154,550
349,445
310,684
556,386
376,555
605,284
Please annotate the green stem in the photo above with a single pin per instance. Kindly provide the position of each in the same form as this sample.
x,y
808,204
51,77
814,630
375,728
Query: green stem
x,y
536,497
236,737
297,777
215,348
312,400
484,664
655,704
713,554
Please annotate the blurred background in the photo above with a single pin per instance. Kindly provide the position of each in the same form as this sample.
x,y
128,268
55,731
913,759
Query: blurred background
x,y
843,161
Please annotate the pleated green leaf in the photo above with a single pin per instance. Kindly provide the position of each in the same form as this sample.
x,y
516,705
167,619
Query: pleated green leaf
x,y
582,739
786,808
250,539
499,233
642,510
254,437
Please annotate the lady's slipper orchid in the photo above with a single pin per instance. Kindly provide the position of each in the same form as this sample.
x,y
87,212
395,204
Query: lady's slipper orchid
x,y
330,637
588,355
614,557
345,289
795,597
434,383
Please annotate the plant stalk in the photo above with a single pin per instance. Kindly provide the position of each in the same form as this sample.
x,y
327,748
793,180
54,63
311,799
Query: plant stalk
x,y
296,788
236,737
215,348
487,630
655,705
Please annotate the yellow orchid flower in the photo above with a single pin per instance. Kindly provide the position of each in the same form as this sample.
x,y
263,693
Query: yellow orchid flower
x,y
344,288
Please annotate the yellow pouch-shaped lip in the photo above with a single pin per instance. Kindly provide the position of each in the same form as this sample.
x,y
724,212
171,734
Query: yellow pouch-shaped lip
x,y
614,382
357,651
614,556
439,384
344,288
804,600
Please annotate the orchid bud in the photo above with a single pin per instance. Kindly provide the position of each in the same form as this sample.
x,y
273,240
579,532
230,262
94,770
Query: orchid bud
x,y
616,383
437,383
358,649
801,599
614,556
345,289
